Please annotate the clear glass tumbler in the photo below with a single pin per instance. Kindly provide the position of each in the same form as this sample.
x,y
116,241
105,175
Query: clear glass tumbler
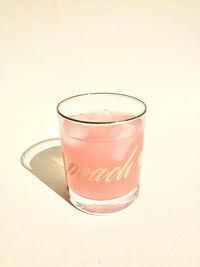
x,y
102,141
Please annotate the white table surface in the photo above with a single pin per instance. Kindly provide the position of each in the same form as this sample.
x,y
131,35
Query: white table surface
x,y
53,49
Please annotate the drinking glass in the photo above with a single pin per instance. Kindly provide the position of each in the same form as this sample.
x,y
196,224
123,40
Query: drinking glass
x,y
102,142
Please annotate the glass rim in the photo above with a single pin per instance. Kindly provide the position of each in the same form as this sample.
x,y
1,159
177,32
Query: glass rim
x,y
101,122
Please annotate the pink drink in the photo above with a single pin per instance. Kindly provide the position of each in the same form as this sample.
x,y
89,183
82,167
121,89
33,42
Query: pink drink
x,y
102,161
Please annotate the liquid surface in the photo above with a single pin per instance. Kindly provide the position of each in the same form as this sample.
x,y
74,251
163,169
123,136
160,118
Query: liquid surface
x,y
102,161
102,116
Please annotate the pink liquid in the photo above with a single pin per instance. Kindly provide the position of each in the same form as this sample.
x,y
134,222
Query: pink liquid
x,y
102,162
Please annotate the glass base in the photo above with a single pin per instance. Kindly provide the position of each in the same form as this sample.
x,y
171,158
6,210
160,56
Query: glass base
x,y
101,207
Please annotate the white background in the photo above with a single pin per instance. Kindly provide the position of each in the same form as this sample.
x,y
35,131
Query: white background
x,y
50,50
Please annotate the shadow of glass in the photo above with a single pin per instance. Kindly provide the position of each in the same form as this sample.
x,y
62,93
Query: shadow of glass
x,y
45,161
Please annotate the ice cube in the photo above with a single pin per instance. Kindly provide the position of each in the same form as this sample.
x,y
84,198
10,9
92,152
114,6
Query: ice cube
x,y
82,116
71,131
123,131
104,115
121,148
125,135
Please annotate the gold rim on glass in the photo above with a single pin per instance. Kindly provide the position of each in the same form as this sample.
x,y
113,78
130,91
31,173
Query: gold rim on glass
x,y
101,122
